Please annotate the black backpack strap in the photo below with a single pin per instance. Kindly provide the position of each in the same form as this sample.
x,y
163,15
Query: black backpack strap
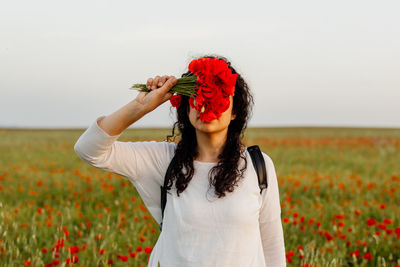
x,y
164,190
259,166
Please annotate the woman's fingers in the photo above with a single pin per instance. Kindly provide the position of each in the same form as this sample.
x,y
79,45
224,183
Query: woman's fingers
x,y
149,83
169,84
163,80
155,82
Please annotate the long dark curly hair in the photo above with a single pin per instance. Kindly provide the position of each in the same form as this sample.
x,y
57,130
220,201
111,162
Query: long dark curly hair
x,y
225,175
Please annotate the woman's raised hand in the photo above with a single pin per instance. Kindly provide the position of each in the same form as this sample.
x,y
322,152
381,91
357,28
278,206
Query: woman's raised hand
x,y
159,86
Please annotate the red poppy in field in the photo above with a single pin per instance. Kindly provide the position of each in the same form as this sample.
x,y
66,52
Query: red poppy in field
x,y
371,222
382,226
123,258
387,221
342,237
339,216
328,235
73,249
367,256
73,259
59,244
355,253
147,250
357,212
289,256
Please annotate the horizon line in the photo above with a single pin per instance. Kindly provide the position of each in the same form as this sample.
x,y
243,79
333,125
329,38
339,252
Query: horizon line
x,y
248,127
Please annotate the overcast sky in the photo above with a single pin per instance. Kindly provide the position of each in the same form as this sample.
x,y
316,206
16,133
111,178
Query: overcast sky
x,y
311,63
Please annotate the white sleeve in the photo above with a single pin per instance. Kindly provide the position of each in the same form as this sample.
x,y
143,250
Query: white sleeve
x,y
270,220
144,164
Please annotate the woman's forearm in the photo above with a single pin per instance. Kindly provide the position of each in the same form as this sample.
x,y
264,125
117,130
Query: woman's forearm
x,y
121,119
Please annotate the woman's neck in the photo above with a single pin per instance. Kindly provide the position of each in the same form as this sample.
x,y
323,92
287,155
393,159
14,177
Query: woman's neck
x,y
210,145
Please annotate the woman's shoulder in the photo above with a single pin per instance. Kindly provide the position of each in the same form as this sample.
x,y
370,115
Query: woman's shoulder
x,y
151,157
154,144
161,147
267,158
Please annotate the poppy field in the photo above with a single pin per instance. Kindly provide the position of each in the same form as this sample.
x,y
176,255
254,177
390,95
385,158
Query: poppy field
x,y
339,192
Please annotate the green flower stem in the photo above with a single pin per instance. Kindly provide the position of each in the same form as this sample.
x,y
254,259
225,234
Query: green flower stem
x,y
184,86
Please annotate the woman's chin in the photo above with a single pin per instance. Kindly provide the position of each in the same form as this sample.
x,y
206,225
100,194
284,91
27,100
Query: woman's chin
x,y
205,125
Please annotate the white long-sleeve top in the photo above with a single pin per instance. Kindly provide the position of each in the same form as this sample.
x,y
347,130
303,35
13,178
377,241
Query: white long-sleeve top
x,y
242,229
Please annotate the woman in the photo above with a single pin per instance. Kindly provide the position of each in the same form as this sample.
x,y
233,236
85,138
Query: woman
x,y
215,214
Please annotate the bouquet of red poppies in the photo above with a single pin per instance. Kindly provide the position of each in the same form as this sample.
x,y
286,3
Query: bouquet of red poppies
x,y
209,88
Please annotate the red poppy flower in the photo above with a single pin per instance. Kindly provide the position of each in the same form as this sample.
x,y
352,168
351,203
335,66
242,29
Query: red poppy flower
x,y
73,259
73,249
123,258
148,250
371,222
216,84
387,221
175,100
367,256
355,253
209,88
